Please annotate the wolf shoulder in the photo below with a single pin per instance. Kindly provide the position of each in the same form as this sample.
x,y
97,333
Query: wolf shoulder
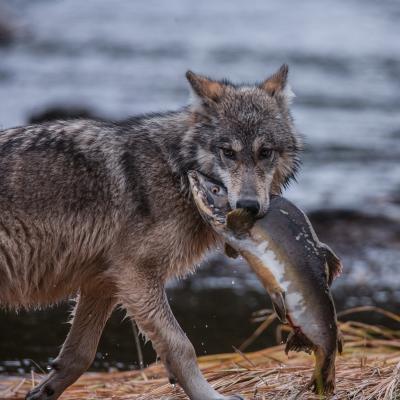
x,y
80,162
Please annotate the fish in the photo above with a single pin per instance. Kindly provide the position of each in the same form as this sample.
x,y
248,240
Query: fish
x,y
295,268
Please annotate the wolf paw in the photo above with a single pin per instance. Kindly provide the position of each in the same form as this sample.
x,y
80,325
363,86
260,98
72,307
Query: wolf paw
x,y
41,392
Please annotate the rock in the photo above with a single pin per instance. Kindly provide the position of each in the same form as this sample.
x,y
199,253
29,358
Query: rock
x,y
352,229
7,32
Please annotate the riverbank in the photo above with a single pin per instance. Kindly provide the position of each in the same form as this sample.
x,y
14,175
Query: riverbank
x,y
369,369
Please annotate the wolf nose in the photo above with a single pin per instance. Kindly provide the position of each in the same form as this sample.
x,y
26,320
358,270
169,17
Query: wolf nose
x,y
251,205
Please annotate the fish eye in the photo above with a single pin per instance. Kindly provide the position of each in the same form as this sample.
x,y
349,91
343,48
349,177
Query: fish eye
x,y
215,189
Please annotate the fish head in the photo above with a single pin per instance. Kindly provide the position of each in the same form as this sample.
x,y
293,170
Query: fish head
x,y
211,199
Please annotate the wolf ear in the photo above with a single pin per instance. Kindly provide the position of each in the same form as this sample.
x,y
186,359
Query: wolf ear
x,y
206,89
276,83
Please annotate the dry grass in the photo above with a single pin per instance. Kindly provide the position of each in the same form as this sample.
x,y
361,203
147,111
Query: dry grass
x,y
369,369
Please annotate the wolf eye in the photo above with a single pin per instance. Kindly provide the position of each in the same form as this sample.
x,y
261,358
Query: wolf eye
x,y
265,153
228,153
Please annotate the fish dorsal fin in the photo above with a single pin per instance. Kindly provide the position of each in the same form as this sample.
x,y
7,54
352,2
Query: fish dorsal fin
x,y
230,251
240,221
278,302
335,266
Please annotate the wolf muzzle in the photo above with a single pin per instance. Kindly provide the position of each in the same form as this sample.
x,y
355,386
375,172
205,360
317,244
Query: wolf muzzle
x,y
249,204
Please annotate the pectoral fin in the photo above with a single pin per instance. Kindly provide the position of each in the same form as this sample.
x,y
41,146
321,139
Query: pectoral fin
x,y
335,266
230,251
297,341
278,302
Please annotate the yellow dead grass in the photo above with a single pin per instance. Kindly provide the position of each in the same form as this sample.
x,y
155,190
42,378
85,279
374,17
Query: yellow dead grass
x,y
369,369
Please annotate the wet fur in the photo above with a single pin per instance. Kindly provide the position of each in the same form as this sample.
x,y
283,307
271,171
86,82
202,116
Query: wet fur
x,y
103,210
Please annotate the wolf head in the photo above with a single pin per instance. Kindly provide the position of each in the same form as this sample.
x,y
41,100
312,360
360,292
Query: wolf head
x,y
243,136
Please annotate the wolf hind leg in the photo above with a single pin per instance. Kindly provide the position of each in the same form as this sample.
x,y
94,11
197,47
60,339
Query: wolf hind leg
x,y
146,302
92,310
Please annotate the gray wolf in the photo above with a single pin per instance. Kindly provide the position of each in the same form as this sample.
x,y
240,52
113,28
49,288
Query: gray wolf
x,y
102,210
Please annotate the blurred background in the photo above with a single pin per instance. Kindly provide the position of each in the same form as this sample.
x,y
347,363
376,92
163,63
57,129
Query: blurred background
x,y
115,59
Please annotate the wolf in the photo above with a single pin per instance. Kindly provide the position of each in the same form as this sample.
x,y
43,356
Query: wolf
x,y
102,211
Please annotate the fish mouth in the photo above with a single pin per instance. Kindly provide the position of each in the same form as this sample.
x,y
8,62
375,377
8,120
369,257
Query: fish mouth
x,y
204,201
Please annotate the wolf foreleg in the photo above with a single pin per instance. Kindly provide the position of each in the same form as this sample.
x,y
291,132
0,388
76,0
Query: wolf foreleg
x,y
78,351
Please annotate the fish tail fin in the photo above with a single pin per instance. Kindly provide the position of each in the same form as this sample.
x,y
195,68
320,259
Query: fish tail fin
x,y
335,266
240,221
323,379
297,341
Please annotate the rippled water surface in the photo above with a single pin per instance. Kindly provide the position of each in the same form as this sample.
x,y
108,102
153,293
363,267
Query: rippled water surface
x,y
130,57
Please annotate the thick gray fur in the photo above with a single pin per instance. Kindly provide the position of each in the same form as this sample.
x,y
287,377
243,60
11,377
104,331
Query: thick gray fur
x,y
102,211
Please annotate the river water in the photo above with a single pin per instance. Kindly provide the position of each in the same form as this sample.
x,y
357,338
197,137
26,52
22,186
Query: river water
x,y
125,57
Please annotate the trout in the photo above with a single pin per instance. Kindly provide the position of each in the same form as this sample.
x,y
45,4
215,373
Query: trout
x,y
295,268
